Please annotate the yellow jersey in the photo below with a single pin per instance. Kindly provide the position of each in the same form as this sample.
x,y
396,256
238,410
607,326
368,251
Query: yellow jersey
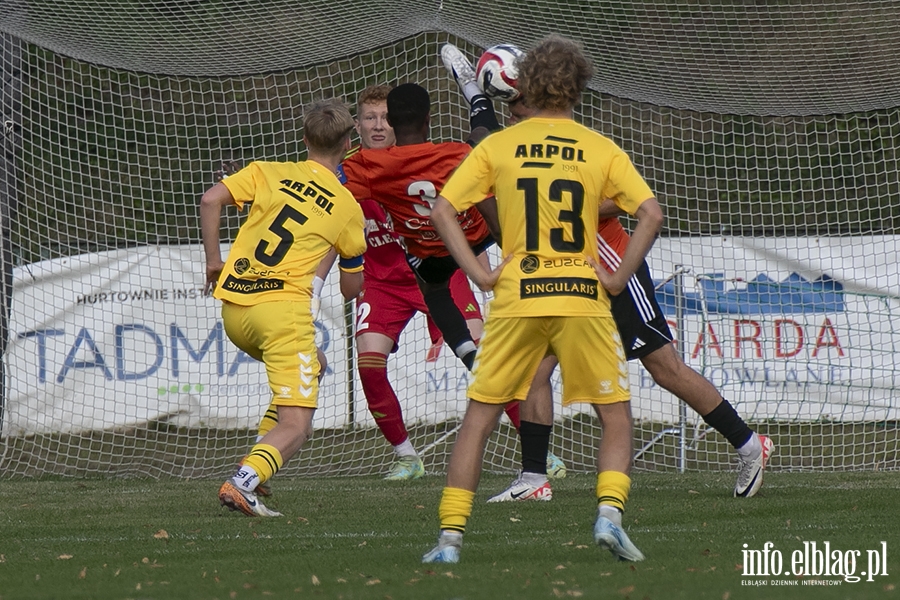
x,y
298,212
549,176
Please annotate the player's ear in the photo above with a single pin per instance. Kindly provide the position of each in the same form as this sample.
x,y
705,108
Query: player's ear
x,y
356,124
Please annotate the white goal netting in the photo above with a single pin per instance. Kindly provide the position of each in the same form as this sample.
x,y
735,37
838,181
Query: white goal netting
x,y
769,133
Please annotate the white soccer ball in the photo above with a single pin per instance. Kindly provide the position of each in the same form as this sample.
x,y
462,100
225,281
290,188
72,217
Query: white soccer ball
x,y
497,72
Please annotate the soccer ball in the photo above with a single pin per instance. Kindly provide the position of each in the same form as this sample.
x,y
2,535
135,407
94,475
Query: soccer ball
x,y
497,73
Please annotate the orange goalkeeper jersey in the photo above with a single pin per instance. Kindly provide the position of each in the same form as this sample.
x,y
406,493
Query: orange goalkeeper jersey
x,y
406,181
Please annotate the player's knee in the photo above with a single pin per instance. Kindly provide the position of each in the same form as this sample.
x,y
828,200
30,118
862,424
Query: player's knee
x,y
665,367
615,416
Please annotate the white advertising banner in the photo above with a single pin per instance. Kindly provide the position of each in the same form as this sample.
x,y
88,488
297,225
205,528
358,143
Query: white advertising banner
x,y
795,328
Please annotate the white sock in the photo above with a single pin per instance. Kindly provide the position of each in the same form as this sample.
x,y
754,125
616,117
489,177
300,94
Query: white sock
x,y
405,448
449,537
610,512
470,90
245,478
751,448
535,479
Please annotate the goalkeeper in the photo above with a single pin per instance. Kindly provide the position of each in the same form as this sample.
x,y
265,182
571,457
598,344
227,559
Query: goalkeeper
x,y
642,326
299,212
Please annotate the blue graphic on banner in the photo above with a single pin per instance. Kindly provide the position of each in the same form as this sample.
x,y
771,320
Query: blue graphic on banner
x,y
762,295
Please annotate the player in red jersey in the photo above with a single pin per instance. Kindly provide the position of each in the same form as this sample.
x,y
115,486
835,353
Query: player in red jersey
x,y
390,298
642,326
405,180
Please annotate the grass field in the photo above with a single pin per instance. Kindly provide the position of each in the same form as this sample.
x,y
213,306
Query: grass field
x,y
363,538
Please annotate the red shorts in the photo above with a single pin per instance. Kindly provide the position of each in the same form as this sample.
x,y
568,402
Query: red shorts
x,y
386,309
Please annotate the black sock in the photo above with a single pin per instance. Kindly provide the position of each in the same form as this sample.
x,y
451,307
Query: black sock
x,y
726,421
452,324
535,445
482,114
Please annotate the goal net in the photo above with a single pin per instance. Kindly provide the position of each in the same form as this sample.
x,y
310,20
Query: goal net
x,y
768,132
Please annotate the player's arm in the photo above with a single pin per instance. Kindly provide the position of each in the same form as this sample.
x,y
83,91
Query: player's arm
x,y
318,283
351,280
350,246
443,217
210,222
649,222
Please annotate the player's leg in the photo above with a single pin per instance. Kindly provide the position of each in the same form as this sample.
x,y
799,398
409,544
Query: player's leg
x,y
482,117
465,301
270,420
510,353
433,276
537,425
534,435
614,460
383,312
282,334
594,370
668,370
646,336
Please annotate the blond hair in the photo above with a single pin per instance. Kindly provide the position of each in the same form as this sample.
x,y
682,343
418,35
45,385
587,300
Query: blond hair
x,y
554,73
326,125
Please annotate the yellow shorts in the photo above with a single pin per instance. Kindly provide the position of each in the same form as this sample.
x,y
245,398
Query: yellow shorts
x,y
282,335
591,359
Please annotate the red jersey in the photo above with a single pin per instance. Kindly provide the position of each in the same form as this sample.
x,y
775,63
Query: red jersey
x,y
406,181
385,258
612,239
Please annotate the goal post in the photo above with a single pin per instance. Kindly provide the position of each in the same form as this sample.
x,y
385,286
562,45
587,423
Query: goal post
x,y
768,134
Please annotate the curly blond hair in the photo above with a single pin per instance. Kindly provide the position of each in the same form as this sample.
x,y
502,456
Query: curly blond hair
x,y
554,73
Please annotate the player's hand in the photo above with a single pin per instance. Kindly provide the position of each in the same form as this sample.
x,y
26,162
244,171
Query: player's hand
x,y
610,281
228,168
213,270
488,279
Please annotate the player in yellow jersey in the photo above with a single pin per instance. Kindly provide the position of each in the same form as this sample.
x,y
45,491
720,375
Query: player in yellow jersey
x,y
644,331
549,175
299,212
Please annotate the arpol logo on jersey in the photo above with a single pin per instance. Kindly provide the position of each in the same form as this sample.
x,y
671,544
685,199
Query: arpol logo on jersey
x,y
558,286
563,149
304,192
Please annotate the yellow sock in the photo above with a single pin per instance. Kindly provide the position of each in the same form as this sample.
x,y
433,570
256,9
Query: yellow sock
x,y
268,422
613,488
455,508
265,460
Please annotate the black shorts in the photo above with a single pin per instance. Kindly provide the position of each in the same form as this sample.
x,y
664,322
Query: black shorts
x,y
638,316
439,269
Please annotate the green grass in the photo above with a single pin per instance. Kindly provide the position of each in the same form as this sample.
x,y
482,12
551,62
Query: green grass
x,y
363,538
